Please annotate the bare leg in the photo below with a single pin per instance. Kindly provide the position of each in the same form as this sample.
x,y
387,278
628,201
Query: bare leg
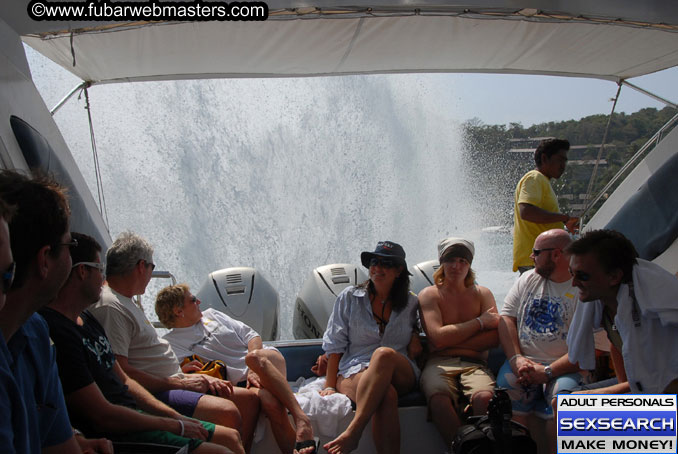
x,y
385,424
211,448
444,416
248,405
270,366
219,411
280,423
387,367
230,438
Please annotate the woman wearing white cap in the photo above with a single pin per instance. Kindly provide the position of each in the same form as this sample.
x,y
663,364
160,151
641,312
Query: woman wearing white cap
x,y
370,341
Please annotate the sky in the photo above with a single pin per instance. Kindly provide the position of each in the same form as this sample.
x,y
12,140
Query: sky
x,y
502,99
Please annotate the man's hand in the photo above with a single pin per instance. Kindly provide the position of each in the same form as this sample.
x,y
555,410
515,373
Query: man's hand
x,y
192,366
253,380
572,225
207,384
195,382
320,368
533,375
490,320
219,387
94,445
521,368
192,429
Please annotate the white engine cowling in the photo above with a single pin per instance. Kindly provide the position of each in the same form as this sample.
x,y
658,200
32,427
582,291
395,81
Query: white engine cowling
x,y
244,294
315,300
422,275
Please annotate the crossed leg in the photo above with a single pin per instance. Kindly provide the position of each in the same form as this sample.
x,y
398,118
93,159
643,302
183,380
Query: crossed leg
x,y
239,412
375,391
277,399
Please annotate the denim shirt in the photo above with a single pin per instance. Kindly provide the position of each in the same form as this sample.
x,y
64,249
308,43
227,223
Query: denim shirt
x,y
353,331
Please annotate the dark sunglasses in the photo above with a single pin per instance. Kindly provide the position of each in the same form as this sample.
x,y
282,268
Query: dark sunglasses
x,y
536,252
580,276
70,244
384,263
151,264
8,277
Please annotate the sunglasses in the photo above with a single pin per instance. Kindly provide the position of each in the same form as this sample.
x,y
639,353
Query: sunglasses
x,y
384,263
70,244
580,276
98,265
536,252
151,264
8,277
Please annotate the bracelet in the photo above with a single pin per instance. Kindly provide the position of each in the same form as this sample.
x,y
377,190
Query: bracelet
x,y
482,325
181,423
514,357
332,388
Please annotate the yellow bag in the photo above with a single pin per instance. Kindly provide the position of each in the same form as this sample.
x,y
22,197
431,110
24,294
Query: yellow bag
x,y
215,368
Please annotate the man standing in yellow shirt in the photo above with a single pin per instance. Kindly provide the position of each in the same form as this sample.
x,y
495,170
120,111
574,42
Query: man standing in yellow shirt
x,y
536,207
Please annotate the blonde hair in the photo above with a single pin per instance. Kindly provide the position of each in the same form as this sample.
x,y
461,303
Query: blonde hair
x,y
169,298
439,277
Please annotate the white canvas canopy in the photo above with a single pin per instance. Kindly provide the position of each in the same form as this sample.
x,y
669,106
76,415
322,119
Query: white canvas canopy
x,y
607,39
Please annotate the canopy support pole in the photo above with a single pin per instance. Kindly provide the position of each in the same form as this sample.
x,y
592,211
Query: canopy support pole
x,y
651,95
600,152
70,94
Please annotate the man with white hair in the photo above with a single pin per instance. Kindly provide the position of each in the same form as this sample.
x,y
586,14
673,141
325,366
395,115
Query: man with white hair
x,y
148,359
460,319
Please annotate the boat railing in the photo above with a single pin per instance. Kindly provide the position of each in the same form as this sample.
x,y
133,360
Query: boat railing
x,y
655,139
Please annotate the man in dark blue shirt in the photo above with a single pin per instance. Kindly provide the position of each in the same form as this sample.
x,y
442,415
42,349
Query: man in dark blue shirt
x,y
39,238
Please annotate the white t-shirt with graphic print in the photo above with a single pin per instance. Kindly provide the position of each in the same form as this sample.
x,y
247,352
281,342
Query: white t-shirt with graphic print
x,y
543,310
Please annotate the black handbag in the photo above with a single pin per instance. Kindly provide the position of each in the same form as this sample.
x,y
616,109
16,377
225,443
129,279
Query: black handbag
x,y
494,433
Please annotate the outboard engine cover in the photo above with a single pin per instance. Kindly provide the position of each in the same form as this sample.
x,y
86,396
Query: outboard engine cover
x,y
422,275
246,295
315,301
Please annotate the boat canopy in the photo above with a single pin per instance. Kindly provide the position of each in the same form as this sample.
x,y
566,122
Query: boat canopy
x,y
605,39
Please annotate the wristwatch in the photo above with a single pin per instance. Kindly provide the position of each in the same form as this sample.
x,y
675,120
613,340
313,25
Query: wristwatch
x,y
548,372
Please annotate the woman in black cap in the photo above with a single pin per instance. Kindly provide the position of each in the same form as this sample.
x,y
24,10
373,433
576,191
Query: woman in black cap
x,y
370,341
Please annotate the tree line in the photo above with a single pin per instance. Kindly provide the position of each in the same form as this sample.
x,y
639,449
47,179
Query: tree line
x,y
495,171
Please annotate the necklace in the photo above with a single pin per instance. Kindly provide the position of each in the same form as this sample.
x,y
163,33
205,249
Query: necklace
x,y
380,320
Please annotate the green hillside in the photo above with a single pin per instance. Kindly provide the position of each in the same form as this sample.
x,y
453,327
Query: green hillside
x,y
498,155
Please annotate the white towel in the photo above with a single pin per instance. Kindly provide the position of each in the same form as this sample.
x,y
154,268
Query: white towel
x,y
580,342
325,412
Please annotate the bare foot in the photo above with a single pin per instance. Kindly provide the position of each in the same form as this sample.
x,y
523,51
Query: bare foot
x,y
343,444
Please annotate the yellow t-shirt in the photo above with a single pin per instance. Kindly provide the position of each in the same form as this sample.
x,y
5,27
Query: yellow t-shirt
x,y
534,188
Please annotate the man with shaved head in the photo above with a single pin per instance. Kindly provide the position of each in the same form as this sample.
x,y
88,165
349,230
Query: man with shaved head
x,y
533,330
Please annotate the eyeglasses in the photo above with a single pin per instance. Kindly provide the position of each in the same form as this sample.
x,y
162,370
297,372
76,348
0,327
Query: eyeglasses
x,y
70,244
98,265
146,263
8,277
384,263
580,275
536,252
